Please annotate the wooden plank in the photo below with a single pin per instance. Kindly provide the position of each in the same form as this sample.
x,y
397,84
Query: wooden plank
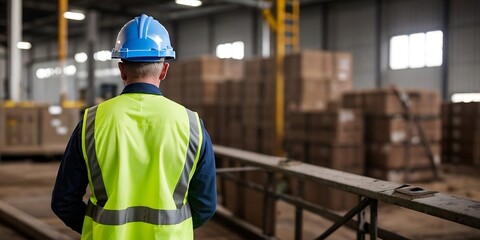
x,y
28,225
463,211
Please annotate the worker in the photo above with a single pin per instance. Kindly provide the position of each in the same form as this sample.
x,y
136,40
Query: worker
x,y
148,161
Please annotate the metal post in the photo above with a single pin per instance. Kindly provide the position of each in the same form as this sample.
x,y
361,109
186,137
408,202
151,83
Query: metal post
x,y
299,212
268,206
445,70
361,223
357,209
91,42
378,43
279,79
373,219
62,46
14,54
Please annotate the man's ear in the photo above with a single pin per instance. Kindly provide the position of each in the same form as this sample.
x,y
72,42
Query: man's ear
x,y
121,67
163,74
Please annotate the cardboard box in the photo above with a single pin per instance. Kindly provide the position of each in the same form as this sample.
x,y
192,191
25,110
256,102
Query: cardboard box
x,y
342,66
296,125
267,116
253,200
339,157
251,115
401,176
235,136
314,94
204,69
253,92
297,150
344,126
387,102
267,140
445,113
56,126
233,192
396,129
253,69
20,126
354,99
233,69
234,93
251,138
393,156
466,153
328,197
173,86
467,136
309,64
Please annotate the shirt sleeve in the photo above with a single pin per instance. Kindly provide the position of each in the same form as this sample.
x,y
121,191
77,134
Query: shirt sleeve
x,y
202,192
71,183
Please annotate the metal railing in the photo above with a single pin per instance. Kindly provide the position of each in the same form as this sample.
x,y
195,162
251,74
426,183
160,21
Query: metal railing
x,y
369,190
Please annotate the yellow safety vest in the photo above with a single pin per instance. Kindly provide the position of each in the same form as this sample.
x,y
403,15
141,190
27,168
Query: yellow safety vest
x,y
141,151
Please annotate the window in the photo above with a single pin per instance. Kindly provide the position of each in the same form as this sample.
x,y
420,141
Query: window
x,y
416,50
233,50
466,97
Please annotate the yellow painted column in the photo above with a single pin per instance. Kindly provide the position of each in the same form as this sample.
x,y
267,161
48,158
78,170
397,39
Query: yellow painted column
x,y
62,46
279,79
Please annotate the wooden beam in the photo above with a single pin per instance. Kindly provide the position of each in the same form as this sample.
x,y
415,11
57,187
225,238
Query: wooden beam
x,y
456,209
28,225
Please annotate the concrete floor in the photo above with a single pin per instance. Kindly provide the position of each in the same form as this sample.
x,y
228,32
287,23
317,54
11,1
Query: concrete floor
x,y
28,185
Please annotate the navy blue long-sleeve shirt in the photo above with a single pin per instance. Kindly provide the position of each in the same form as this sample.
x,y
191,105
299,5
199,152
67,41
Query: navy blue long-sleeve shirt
x,y
72,179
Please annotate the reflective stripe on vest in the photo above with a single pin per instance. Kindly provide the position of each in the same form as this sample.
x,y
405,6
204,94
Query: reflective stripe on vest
x,y
139,213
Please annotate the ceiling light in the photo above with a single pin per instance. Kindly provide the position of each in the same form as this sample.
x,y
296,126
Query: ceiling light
x,y
81,57
78,16
191,3
24,45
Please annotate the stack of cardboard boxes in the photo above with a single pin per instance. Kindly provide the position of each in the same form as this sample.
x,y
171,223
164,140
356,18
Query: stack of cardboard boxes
x,y
313,78
259,105
445,113
173,86
334,140
19,126
197,83
394,149
36,129
462,133
315,133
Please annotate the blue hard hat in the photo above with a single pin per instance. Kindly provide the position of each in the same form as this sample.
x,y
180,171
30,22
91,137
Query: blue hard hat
x,y
143,39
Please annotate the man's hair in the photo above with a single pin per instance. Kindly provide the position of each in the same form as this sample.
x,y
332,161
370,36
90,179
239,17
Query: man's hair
x,y
142,69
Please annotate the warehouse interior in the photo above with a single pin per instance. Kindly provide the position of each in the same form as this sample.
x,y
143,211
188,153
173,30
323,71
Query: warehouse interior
x,y
323,112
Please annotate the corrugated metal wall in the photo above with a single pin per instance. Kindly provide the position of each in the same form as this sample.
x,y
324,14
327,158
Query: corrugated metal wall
x,y
235,26
464,74
311,27
407,17
351,27
192,38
